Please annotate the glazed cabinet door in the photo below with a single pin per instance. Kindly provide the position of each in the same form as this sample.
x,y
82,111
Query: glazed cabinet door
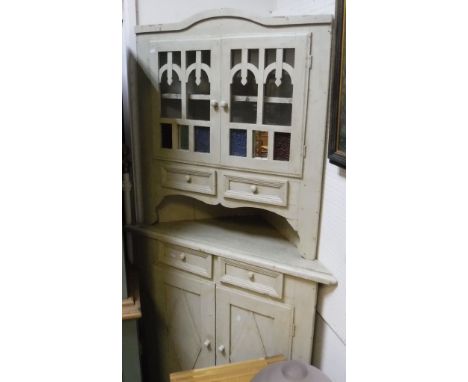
x,y
249,327
186,112
187,306
263,97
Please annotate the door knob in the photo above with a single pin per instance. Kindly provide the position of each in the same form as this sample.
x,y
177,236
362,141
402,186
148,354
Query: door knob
x,y
214,103
207,343
221,348
223,104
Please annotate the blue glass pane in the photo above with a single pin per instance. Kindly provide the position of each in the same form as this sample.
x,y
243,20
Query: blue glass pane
x,y
202,139
238,142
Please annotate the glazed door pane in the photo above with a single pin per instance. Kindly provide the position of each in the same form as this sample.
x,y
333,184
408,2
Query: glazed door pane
x,y
249,327
187,83
263,86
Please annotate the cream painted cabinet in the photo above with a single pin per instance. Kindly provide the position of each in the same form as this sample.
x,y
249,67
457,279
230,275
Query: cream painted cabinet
x,y
187,80
186,308
249,327
229,155
237,101
263,85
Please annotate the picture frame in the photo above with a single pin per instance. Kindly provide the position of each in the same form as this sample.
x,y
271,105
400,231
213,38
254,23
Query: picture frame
x,y
337,121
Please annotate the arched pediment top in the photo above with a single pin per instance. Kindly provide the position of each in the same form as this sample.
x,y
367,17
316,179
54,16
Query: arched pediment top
x,y
234,13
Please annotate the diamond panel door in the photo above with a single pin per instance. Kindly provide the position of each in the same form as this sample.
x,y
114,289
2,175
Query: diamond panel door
x,y
264,84
250,327
187,115
187,307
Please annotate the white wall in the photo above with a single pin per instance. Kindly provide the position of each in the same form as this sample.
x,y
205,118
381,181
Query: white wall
x,y
330,331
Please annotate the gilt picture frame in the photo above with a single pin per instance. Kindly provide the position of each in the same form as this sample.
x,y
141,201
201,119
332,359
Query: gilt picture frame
x,y
337,121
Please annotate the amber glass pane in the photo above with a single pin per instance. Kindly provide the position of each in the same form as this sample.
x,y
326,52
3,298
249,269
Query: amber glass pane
x,y
260,144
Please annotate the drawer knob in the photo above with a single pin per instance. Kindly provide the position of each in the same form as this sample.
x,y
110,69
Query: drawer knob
x,y
207,343
188,178
251,276
183,257
214,103
223,104
221,348
253,188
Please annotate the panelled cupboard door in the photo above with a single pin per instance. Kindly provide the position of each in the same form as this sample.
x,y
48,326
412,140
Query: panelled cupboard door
x,y
263,96
188,306
250,327
186,112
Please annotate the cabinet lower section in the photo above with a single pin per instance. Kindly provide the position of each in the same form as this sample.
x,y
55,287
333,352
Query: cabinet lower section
x,y
204,319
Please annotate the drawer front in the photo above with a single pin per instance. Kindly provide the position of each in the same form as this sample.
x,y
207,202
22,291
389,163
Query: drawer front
x,y
182,178
252,278
258,190
195,262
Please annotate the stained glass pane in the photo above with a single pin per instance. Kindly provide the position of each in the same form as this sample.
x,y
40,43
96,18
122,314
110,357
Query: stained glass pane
x,y
260,144
238,142
202,139
166,135
183,137
282,144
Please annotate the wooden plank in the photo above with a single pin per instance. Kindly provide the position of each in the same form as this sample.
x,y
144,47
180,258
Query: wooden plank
x,y
130,311
234,372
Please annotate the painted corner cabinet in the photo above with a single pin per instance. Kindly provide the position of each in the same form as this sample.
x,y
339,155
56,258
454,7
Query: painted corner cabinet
x,y
232,114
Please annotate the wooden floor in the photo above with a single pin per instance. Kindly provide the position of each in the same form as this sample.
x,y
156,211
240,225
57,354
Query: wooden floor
x,y
233,372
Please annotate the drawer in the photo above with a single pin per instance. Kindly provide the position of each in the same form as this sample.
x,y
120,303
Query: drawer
x,y
258,190
252,278
182,178
186,259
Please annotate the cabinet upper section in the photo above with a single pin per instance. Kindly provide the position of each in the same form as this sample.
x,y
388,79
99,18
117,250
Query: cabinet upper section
x,y
228,92
238,102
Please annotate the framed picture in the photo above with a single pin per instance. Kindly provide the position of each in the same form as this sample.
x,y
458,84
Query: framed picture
x,y
337,137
